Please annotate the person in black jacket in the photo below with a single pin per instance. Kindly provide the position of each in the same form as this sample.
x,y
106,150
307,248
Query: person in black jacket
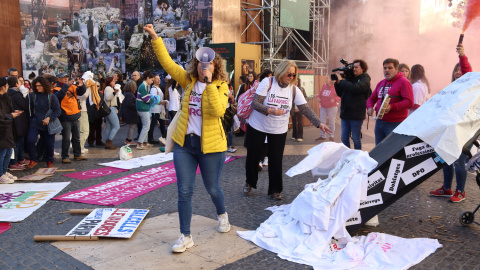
x,y
128,111
354,94
20,102
7,143
41,101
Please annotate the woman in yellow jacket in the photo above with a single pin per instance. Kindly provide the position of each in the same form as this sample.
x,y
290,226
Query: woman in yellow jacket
x,y
199,136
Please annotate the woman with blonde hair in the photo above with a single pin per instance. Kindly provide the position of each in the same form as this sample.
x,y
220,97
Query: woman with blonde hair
x,y
199,136
272,104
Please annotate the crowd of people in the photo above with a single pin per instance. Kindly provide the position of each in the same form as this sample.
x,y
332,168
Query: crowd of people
x,y
33,113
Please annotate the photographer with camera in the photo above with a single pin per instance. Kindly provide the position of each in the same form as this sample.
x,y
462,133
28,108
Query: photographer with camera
x,y
353,87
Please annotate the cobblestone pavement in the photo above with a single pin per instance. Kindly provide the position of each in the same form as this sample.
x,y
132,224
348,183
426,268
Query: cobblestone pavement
x,y
461,245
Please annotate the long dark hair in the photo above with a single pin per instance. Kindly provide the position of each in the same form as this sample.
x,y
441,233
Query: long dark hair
x,y
418,73
108,81
47,87
455,69
249,84
264,74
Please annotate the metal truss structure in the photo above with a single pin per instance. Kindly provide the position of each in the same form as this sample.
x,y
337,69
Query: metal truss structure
x,y
277,40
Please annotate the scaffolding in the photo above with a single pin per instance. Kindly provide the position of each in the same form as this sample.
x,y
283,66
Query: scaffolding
x,y
276,40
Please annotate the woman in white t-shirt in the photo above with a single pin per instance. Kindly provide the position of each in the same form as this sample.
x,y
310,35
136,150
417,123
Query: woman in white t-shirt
x,y
174,98
269,119
155,112
199,136
420,86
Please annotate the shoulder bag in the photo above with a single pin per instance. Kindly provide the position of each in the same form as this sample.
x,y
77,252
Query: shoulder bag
x,y
54,126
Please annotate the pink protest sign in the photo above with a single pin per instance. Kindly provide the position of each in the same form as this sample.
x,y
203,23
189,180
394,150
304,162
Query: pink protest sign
x,y
125,188
95,173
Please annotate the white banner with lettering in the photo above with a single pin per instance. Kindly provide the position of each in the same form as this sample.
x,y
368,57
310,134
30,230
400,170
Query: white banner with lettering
x,y
110,222
18,201
447,120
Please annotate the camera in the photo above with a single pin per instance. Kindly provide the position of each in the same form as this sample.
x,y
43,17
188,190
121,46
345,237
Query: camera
x,y
347,70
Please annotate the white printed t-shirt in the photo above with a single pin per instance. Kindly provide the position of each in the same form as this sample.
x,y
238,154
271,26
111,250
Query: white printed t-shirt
x,y
157,92
195,109
280,98
174,104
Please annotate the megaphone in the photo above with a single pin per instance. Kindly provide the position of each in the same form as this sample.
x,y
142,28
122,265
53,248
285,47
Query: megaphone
x,y
205,55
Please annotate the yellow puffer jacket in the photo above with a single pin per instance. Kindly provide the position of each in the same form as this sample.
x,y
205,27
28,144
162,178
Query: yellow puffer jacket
x,y
214,104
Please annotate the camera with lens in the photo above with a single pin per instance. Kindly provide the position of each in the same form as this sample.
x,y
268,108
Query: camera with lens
x,y
347,70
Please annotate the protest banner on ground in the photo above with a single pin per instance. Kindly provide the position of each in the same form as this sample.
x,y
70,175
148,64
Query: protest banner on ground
x,y
5,227
123,189
18,201
110,222
95,173
139,162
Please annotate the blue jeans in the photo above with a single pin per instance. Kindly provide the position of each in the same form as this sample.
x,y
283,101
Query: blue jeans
x,y
48,140
5,155
19,149
383,129
460,173
353,127
113,125
186,159
145,118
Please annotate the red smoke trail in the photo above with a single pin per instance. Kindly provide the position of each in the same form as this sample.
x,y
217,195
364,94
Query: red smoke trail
x,y
472,11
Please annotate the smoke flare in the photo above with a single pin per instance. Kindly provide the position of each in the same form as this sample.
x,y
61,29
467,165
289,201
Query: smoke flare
x,y
472,11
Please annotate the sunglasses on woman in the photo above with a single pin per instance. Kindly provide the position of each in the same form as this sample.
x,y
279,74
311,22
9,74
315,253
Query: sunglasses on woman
x,y
293,75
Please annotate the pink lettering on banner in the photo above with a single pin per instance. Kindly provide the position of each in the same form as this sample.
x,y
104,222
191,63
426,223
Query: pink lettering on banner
x,y
195,112
123,189
95,173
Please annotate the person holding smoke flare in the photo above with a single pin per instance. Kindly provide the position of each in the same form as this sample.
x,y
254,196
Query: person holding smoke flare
x,y
458,167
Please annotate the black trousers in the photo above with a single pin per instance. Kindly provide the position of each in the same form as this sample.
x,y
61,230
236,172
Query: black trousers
x,y
255,149
95,133
297,125
156,119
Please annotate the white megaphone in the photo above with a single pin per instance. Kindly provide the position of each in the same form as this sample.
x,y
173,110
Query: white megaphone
x,y
205,55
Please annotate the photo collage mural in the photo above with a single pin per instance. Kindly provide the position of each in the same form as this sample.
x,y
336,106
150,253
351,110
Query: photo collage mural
x,y
107,36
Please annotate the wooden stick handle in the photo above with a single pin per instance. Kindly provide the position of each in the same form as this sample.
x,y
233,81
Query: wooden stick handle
x,y
80,211
68,170
43,238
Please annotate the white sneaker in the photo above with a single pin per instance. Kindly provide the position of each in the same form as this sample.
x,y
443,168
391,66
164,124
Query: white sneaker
x,y
6,180
182,243
56,154
84,150
299,140
162,140
265,162
223,225
11,176
231,150
140,146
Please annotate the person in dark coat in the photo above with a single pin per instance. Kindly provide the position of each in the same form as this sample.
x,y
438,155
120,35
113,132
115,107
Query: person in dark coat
x,y
7,143
128,111
41,100
20,101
